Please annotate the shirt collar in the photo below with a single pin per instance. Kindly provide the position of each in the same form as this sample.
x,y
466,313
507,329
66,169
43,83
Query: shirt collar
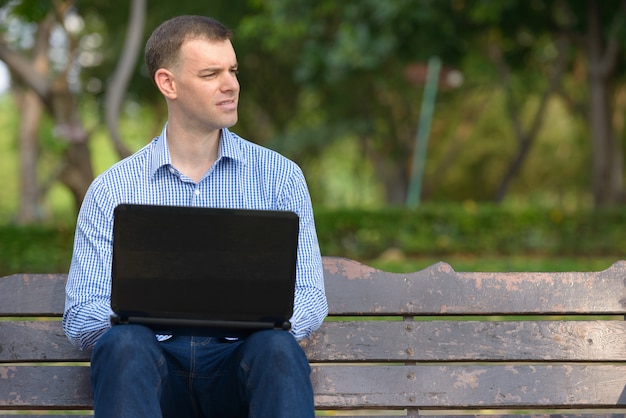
x,y
228,148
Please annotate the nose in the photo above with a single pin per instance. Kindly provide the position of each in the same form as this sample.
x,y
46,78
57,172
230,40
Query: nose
x,y
230,82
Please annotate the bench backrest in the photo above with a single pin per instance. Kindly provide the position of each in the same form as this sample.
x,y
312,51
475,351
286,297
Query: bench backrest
x,y
431,340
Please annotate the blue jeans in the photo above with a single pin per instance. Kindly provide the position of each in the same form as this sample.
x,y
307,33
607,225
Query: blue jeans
x,y
264,375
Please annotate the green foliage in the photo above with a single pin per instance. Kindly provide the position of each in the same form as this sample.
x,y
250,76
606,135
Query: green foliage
x,y
334,40
35,249
29,10
477,237
316,74
470,229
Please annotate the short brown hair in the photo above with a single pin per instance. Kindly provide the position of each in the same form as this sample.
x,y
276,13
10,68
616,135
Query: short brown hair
x,y
164,44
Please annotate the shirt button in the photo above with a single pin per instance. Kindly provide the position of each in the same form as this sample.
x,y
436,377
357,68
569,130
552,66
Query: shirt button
x,y
196,192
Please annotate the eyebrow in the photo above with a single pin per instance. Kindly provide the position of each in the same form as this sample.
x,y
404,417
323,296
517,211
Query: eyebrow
x,y
218,68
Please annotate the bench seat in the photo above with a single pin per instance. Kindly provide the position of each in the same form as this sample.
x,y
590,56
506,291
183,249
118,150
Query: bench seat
x,y
432,342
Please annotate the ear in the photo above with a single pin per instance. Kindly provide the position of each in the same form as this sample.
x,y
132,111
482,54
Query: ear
x,y
166,83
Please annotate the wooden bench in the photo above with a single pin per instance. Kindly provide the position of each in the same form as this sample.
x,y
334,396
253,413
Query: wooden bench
x,y
430,342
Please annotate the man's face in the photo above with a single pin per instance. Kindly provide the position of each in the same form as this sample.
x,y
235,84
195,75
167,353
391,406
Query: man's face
x,y
207,89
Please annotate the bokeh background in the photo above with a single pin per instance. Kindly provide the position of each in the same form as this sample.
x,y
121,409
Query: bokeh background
x,y
486,134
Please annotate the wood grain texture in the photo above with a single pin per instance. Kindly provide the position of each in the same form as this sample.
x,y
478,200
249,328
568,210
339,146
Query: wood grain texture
x,y
375,386
36,387
443,341
32,295
382,350
465,386
36,341
381,341
356,289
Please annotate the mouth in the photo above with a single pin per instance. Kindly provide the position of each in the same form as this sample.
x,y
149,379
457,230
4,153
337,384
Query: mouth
x,y
228,104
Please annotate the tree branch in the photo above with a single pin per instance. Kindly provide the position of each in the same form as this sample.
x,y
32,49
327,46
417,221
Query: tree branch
x,y
26,72
119,81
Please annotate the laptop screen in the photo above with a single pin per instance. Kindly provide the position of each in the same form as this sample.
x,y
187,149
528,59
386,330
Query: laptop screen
x,y
203,264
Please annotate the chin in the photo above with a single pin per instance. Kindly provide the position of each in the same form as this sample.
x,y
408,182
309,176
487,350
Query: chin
x,y
231,123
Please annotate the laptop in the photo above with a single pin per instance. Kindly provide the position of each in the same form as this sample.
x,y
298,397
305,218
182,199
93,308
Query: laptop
x,y
203,271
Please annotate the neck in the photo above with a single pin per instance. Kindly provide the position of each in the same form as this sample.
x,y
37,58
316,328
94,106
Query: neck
x,y
192,155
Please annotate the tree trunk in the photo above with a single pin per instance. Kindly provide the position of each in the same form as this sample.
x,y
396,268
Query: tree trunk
x,y
31,110
607,164
392,173
77,173
61,103
526,136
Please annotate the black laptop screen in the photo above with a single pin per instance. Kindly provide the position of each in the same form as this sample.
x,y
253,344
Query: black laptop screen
x,y
203,263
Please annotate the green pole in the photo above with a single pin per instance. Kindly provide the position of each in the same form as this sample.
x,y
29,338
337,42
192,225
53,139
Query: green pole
x,y
423,132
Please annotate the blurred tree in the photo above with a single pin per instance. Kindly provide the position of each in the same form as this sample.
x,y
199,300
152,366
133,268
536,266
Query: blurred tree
x,y
318,71
339,67
601,36
514,40
124,70
534,44
31,110
51,83
54,83
87,64
348,58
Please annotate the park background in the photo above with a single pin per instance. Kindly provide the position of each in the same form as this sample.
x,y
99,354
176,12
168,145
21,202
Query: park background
x,y
485,134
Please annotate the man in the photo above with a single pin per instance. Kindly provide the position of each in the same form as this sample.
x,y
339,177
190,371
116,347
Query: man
x,y
195,161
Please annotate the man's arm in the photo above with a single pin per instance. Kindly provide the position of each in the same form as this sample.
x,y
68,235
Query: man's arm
x,y
310,305
88,289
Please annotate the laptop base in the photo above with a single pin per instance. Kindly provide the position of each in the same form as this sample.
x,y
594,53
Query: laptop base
x,y
200,327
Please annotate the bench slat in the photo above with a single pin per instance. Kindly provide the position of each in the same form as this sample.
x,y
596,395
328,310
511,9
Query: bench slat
x,y
58,416
590,415
34,387
355,289
478,387
552,415
377,415
437,290
381,341
27,341
468,340
32,294
392,387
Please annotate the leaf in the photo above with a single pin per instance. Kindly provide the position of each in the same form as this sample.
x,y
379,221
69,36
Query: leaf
x,y
32,11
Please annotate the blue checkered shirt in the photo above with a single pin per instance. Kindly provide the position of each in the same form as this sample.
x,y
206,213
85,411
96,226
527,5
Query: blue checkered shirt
x,y
245,175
